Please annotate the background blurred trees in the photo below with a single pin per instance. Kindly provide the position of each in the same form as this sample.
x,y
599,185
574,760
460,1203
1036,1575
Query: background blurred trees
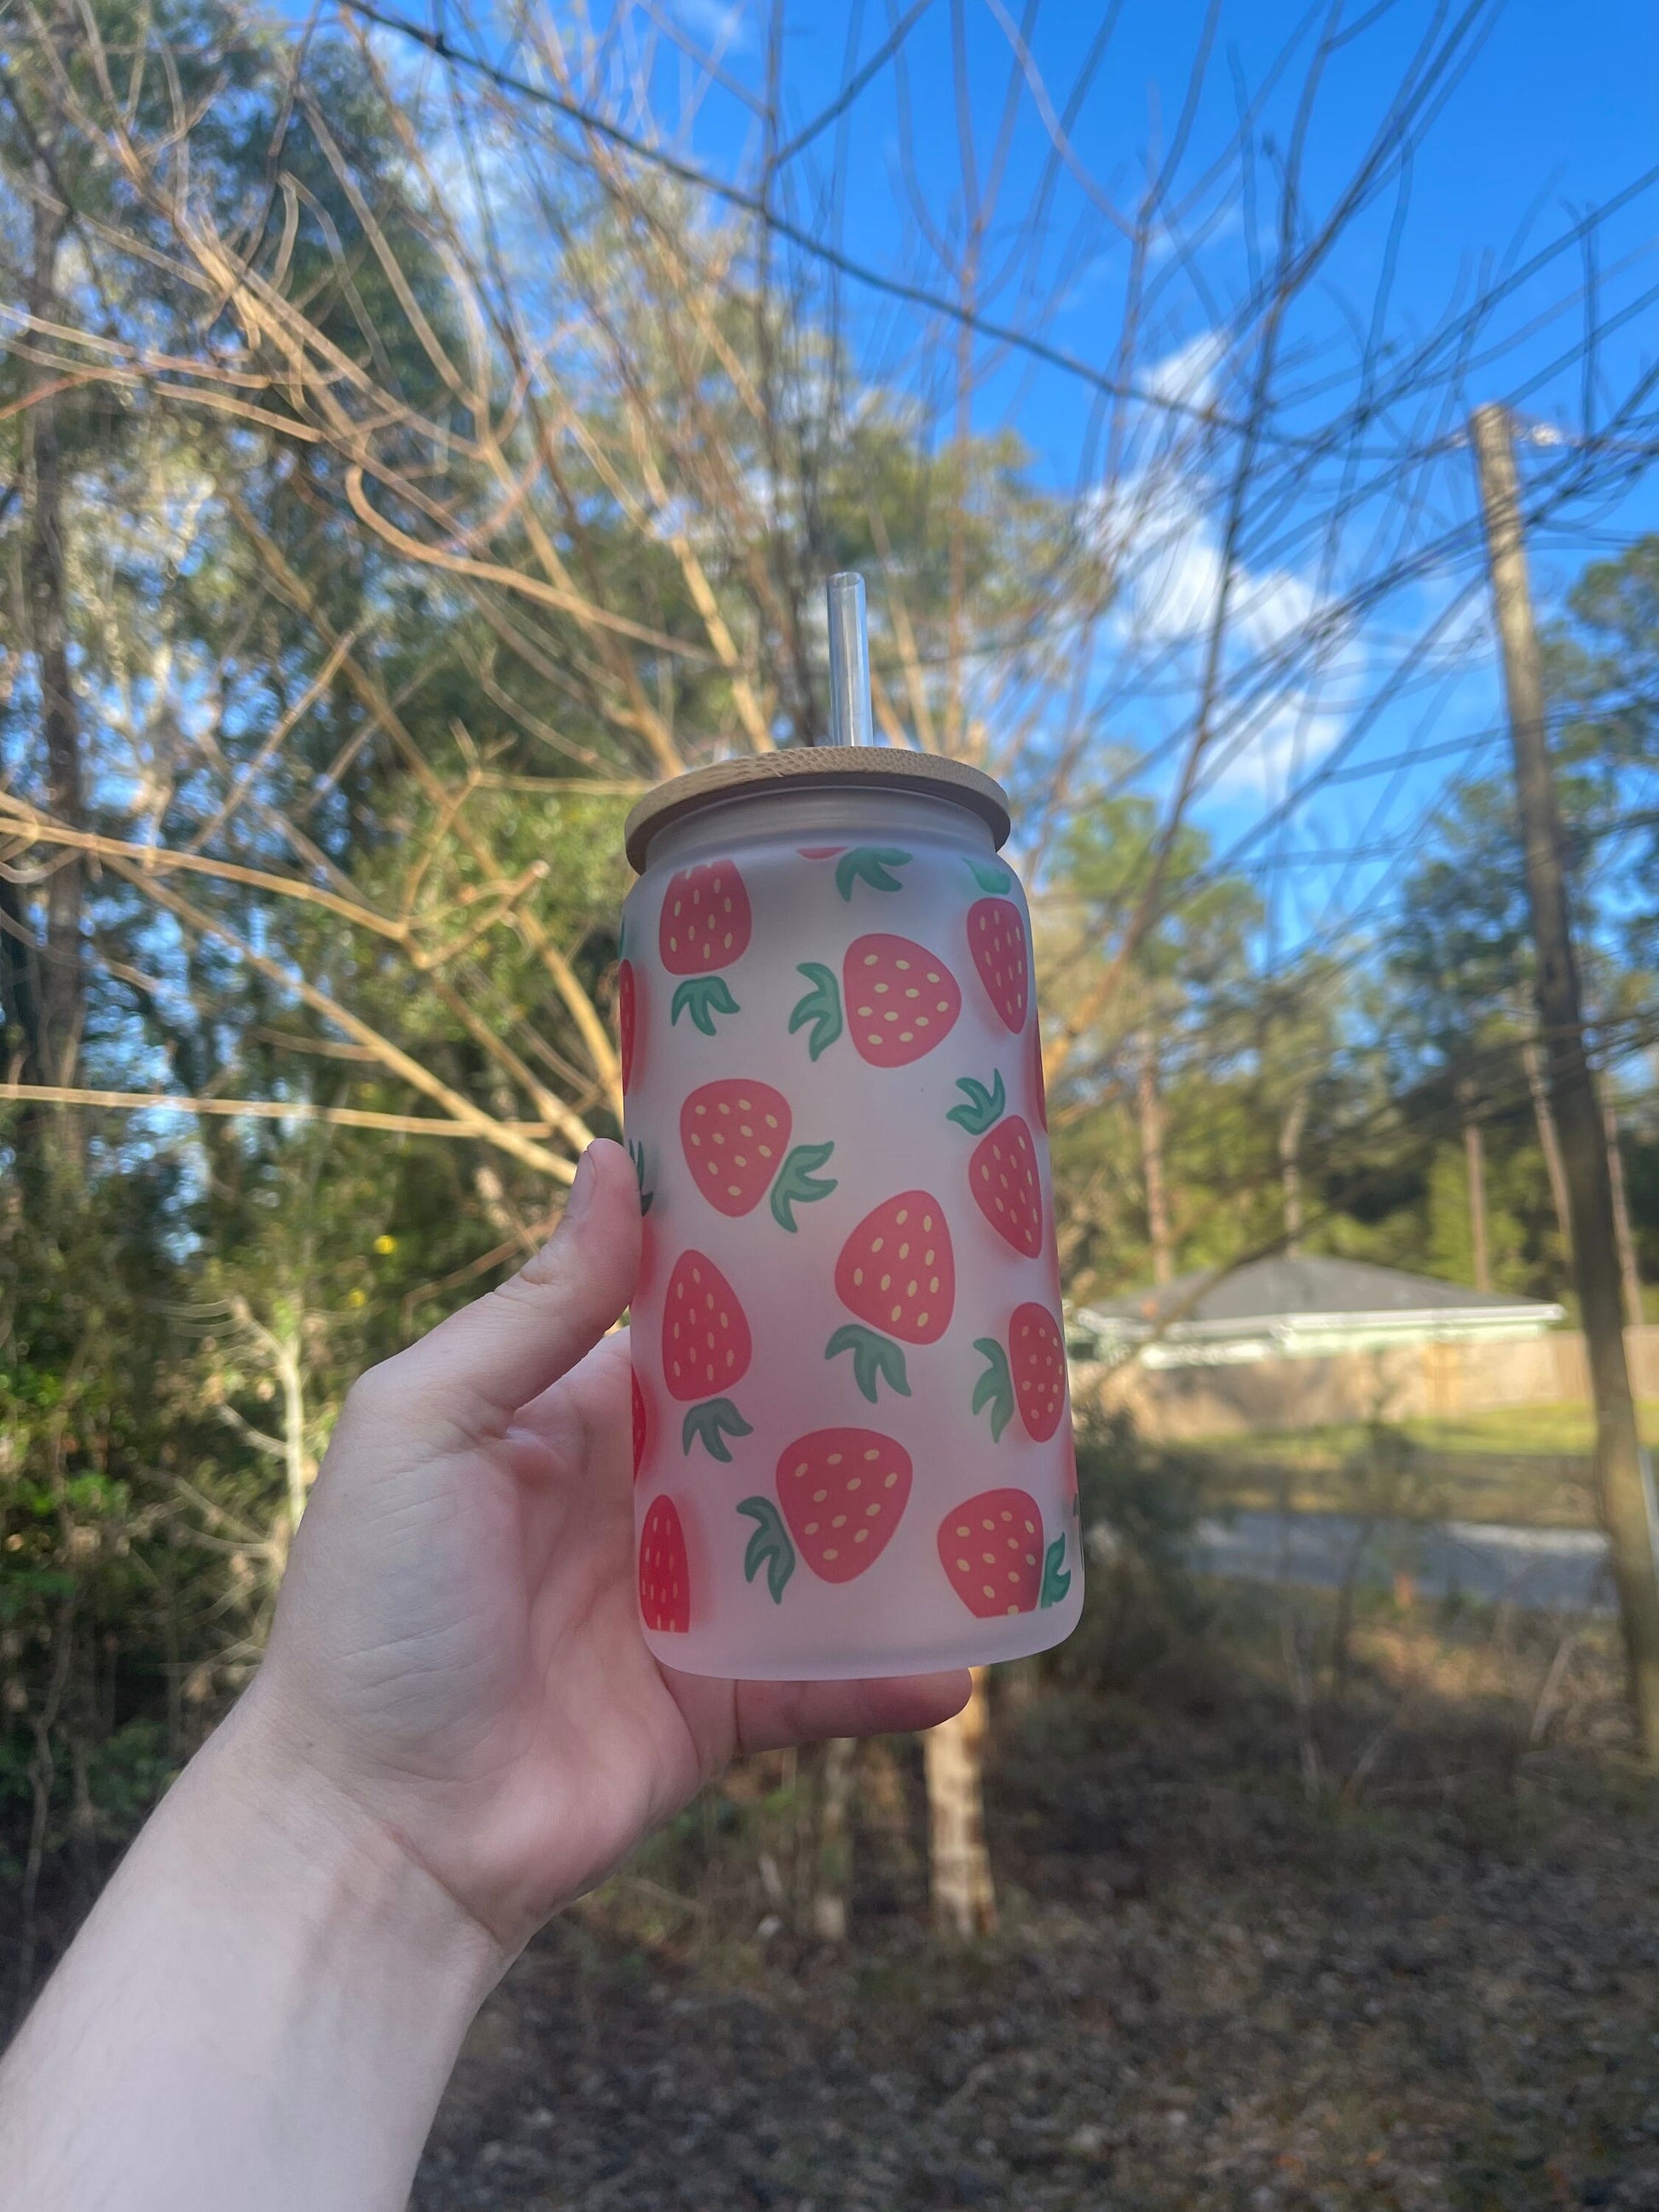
x,y
398,473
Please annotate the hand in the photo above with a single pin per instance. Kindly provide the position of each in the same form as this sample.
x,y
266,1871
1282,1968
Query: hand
x,y
456,1650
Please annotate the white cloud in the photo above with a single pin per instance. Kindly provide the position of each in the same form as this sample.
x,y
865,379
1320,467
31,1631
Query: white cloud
x,y
1189,374
720,24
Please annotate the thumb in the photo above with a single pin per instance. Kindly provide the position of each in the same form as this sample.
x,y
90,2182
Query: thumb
x,y
493,1357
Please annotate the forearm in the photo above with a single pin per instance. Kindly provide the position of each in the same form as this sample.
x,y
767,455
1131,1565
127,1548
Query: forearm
x,y
260,2014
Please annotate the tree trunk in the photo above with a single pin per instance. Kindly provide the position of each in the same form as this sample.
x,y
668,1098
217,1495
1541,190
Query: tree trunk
x,y
20,989
1549,1140
1628,1269
1290,1170
1624,1477
63,987
963,1896
831,1899
1474,1155
1151,1163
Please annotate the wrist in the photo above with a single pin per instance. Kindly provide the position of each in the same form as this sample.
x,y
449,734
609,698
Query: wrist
x,y
261,1810
269,1996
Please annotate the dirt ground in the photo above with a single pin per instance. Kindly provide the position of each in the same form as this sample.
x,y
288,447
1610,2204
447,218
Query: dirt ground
x,y
1258,1950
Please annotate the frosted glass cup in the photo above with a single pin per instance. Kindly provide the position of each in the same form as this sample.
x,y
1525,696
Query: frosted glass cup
x,y
852,1436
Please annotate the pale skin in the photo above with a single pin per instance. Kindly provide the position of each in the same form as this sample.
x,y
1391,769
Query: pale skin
x,y
458,1728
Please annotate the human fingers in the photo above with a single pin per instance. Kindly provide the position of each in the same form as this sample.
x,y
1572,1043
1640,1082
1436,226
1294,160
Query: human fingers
x,y
479,1366
769,1714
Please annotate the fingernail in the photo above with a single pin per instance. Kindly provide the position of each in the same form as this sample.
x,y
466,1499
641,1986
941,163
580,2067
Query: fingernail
x,y
581,1190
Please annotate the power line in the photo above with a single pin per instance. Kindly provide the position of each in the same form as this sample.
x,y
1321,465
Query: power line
x,y
751,203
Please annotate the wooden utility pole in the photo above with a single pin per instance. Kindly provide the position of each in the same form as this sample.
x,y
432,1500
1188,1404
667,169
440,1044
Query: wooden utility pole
x,y
1624,1480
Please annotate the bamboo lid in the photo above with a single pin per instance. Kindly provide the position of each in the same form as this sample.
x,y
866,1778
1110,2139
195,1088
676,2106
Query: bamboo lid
x,y
799,768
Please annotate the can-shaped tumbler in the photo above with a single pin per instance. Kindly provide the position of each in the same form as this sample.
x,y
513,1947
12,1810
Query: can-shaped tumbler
x,y
852,1435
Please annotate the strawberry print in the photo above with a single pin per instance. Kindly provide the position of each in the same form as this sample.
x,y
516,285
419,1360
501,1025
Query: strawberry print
x,y
705,926
627,1019
897,1272
991,1549
996,938
1003,1171
1030,1374
641,1423
665,1572
989,875
647,1271
820,852
872,865
899,1001
1003,1177
843,1492
735,1136
706,1351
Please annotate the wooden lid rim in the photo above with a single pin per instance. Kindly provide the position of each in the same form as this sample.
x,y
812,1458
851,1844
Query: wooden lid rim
x,y
798,767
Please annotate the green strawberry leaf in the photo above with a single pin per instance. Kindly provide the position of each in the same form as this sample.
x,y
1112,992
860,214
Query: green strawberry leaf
x,y
1056,1578
875,1359
995,1388
983,1107
636,1153
987,877
821,1008
702,997
799,1183
872,865
768,1547
709,1424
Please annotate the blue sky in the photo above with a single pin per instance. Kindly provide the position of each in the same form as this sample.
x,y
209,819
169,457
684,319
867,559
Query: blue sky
x,y
1551,113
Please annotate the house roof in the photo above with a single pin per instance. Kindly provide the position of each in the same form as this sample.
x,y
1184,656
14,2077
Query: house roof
x,y
1264,1293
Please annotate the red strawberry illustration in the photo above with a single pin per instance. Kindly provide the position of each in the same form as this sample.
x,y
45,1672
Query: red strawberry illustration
x,y
996,938
900,1000
628,1017
1003,1176
1039,1088
664,1574
1030,1373
991,1549
843,1492
706,1351
897,1272
820,852
735,1136
705,926
641,1423
1003,1172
